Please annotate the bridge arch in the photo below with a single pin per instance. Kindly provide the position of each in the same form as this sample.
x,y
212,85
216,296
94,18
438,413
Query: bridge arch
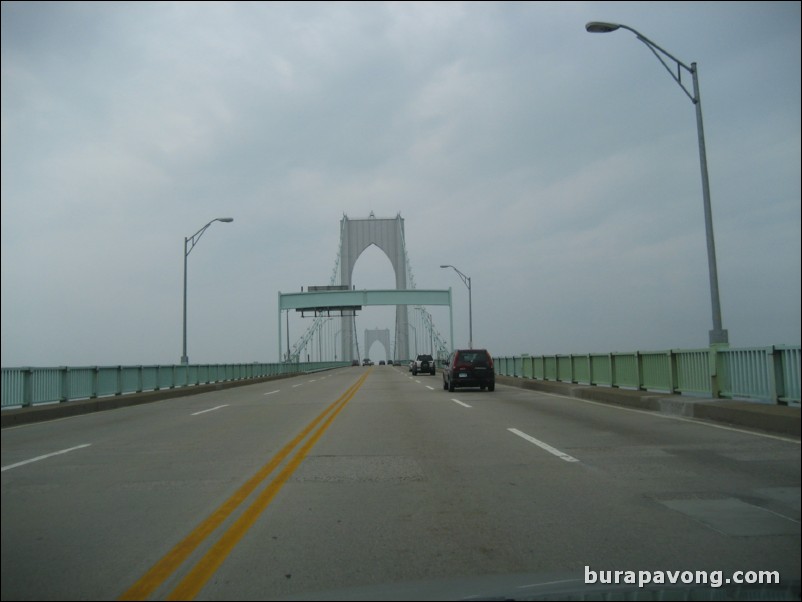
x,y
381,336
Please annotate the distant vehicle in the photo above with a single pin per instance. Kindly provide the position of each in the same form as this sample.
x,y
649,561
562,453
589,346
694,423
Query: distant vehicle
x,y
381,362
389,362
423,363
354,362
469,368
367,362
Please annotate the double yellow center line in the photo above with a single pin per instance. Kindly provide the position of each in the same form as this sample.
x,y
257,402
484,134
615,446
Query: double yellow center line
x,y
197,577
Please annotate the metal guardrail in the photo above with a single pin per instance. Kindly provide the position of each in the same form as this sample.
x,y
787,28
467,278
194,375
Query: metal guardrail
x,y
22,387
763,373
769,374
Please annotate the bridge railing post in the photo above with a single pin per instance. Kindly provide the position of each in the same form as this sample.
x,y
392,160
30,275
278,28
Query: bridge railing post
x,y
63,384
590,368
672,371
774,373
27,387
713,366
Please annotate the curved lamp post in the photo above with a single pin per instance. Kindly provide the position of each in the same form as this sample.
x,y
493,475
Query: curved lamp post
x,y
467,282
189,244
718,336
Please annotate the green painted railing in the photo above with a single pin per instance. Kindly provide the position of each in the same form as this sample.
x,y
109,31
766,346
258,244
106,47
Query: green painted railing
x,y
30,386
760,373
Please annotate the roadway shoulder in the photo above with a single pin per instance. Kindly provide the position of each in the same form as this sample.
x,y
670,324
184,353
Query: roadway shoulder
x,y
774,418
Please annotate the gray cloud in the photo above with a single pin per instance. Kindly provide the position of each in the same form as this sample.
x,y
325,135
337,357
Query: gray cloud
x,y
559,169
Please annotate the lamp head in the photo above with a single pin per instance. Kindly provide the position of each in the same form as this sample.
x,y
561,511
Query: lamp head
x,y
225,219
601,27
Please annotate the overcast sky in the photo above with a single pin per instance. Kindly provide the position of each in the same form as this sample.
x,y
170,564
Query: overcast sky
x,y
558,169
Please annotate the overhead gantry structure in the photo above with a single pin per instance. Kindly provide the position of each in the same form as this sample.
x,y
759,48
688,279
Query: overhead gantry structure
x,y
347,302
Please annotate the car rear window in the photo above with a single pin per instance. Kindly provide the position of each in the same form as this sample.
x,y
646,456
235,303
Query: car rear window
x,y
473,356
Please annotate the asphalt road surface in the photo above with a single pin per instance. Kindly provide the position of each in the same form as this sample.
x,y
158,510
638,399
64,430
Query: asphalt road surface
x,y
368,483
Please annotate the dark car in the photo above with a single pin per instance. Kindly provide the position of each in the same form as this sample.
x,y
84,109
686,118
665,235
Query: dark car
x,y
469,368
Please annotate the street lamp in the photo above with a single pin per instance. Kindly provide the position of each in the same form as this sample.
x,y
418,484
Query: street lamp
x,y
718,336
467,282
189,244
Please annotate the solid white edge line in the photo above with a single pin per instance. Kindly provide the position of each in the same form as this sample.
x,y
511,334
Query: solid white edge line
x,y
36,459
546,446
210,409
460,402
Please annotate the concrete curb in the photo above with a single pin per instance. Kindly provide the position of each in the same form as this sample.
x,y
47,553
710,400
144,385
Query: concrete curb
x,y
777,419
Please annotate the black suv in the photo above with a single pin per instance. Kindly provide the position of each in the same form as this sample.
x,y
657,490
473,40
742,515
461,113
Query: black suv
x,y
469,368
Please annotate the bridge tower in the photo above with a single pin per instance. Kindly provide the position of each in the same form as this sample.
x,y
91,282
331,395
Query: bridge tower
x,y
356,235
